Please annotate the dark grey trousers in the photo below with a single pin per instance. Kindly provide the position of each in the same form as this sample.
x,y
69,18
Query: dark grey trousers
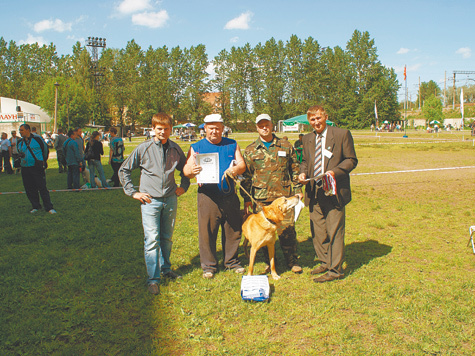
x,y
327,224
216,211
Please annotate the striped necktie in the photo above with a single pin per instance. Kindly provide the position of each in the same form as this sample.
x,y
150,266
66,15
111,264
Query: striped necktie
x,y
317,167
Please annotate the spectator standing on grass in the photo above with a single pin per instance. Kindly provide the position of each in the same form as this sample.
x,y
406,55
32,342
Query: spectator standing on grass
x,y
116,155
298,143
157,159
298,148
58,145
74,159
6,154
14,142
328,151
33,149
94,160
79,138
218,204
272,172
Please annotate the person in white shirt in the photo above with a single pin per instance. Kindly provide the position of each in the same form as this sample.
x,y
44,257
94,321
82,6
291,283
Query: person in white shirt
x,y
6,154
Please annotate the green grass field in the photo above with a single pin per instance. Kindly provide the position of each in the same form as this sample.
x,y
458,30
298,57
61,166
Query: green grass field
x,y
74,283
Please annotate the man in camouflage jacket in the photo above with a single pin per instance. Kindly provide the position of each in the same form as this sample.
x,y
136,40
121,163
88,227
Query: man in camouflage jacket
x,y
272,169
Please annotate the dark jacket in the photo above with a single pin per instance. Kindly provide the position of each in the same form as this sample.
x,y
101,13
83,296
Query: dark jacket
x,y
343,160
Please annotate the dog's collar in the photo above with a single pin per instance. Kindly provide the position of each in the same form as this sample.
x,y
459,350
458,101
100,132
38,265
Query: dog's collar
x,y
271,221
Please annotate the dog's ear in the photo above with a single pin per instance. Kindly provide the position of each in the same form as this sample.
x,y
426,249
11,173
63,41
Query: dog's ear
x,y
272,213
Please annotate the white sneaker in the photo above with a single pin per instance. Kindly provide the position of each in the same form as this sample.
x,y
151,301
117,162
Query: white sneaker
x,y
52,211
208,275
32,211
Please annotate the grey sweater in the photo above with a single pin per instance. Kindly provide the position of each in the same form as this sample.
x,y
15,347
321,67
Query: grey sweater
x,y
157,169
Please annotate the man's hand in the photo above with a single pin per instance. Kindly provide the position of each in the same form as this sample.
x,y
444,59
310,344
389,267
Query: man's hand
x,y
247,208
302,178
300,195
179,191
142,197
230,172
191,169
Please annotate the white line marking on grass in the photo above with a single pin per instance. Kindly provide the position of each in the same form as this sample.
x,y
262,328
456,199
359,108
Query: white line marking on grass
x,y
411,171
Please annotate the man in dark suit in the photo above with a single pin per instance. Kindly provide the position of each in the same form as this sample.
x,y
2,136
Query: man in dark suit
x,y
327,151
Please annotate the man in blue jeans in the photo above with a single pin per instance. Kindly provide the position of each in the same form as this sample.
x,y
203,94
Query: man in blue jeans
x,y
158,192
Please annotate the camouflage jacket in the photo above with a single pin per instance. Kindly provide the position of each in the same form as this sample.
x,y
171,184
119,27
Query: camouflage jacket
x,y
270,172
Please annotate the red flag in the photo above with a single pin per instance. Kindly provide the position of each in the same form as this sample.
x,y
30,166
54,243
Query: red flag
x,y
404,72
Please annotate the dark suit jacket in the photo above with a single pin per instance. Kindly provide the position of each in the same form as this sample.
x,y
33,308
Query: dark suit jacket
x,y
343,160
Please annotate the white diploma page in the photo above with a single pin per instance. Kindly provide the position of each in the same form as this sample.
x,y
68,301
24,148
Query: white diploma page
x,y
209,163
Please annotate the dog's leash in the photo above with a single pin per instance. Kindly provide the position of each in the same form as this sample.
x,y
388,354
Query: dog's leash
x,y
236,181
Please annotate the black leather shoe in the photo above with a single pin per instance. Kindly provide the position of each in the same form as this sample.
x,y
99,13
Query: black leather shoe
x,y
171,275
327,278
319,269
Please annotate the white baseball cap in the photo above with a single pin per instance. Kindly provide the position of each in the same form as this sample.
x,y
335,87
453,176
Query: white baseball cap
x,y
263,117
213,118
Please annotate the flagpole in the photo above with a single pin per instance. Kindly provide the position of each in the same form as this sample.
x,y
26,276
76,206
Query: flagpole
x,y
405,103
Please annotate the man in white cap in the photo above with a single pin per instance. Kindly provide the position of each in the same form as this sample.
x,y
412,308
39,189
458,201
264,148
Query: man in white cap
x,y
218,204
272,172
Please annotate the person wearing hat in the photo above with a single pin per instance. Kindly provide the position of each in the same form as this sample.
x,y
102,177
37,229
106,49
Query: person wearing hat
x,y
272,172
218,204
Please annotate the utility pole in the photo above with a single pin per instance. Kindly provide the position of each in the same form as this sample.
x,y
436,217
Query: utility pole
x,y
56,85
468,72
445,88
67,88
453,104
420,97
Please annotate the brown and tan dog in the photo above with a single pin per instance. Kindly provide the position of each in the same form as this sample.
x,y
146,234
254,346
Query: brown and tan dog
x,y
260,230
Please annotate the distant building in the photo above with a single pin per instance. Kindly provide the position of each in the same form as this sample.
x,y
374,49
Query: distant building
x,y
14,112
219,101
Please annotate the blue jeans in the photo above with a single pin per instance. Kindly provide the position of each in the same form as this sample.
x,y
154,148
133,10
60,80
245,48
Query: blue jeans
x,y
98,165
158,220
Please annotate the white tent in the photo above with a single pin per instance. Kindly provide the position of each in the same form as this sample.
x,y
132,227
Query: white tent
x,y
11,119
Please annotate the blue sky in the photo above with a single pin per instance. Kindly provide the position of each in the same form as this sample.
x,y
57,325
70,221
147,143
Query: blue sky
x,y
429,37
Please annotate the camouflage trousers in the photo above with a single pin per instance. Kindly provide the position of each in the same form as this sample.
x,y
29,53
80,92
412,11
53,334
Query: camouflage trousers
x,y
287,238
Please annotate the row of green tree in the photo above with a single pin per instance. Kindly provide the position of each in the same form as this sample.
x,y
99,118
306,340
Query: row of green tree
x,y
279,78
430,89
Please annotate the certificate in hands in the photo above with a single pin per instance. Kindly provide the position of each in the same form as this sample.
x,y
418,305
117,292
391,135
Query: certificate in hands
x,y
209,163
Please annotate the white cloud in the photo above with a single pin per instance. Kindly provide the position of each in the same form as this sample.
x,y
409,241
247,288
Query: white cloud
x,y
239,23
55,25
403,50
75,38
151,19
234,39
210,69
466,52
32,39
132,6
